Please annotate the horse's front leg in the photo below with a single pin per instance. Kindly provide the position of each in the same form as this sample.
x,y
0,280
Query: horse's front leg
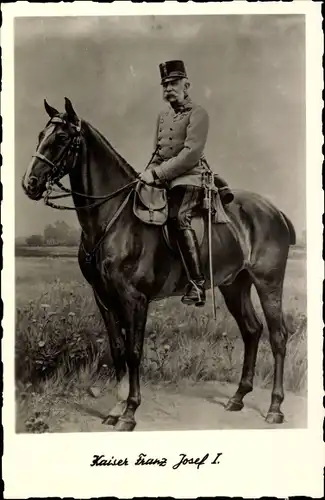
x,y
117,345
136,309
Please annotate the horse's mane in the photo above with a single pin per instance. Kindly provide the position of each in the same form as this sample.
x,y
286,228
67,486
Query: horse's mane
x,y
128,169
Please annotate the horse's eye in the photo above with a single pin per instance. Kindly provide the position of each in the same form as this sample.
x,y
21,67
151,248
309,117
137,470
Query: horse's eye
x,y
62,137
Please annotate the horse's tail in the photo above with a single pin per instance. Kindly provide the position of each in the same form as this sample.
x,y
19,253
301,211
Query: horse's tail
x,y
291,229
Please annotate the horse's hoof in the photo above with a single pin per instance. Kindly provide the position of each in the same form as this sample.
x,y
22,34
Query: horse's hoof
x,y
234,405
187,302
274,418
110,420
125,425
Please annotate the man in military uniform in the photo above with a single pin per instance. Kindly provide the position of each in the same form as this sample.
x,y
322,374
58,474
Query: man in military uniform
x,y
181,134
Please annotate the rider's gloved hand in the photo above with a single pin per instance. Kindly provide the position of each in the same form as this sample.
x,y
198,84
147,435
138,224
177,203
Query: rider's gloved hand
x,y
147,177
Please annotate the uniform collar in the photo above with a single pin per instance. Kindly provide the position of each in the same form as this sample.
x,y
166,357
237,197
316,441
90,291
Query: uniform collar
x,y
186,105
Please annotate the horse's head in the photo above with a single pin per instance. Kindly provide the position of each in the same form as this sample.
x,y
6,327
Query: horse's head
x,y
56,153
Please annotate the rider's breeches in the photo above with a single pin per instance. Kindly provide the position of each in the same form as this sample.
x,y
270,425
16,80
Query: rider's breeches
x,y
184,202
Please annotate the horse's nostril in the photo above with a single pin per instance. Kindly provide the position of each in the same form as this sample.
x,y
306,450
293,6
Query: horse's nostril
x,y
32,182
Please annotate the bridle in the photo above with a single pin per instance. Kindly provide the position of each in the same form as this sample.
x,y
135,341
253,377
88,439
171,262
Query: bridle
x,y
60,168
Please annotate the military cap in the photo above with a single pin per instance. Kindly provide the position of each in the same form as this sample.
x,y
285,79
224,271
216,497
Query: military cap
x,y
172,70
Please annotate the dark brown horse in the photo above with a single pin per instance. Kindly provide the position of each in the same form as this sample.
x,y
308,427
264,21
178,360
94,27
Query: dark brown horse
x,y
128,264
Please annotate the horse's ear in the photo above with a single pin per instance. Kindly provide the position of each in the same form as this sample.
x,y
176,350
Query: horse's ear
x,y
72,115
50,111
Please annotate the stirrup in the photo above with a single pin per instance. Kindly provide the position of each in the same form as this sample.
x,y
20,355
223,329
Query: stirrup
x,y
194,294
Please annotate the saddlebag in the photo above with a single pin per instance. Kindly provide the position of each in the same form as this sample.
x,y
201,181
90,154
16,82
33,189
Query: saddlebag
x,y
150,204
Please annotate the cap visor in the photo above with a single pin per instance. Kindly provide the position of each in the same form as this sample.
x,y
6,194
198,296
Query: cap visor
x,y
172,78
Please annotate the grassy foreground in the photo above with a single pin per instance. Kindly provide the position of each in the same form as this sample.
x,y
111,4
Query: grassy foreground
x,y
62,345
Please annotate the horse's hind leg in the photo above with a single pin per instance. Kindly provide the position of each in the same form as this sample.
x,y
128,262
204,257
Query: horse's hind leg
x,y
238,300
270,293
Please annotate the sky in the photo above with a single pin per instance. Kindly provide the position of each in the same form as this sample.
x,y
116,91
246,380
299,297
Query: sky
x,y
247,71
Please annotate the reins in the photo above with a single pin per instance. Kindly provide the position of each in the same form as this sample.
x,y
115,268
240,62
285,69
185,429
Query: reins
x,y
68,192
101,199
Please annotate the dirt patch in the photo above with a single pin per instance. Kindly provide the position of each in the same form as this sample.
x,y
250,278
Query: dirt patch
x,y
182,407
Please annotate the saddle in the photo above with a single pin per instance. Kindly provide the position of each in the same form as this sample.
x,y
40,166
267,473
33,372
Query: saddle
x,y
150,204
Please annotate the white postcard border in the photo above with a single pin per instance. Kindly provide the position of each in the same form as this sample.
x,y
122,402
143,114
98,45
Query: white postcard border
x,y
254,463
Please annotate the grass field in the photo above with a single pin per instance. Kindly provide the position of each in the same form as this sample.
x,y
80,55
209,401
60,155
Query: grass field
x,y
60,336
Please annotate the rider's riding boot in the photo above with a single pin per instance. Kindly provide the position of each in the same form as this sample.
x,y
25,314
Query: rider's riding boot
x,y
195,290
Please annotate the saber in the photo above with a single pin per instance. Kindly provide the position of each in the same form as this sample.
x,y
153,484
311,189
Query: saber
x,y
210,251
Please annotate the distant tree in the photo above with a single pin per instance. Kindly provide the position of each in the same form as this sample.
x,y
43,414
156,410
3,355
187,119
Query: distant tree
x,y
60,233
35,240
73,237
48,234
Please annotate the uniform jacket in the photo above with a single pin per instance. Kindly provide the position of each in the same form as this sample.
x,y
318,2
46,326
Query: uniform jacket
x,y
180,138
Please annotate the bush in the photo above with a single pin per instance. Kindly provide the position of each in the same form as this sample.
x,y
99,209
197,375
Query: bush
x,y
67,334
63,334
